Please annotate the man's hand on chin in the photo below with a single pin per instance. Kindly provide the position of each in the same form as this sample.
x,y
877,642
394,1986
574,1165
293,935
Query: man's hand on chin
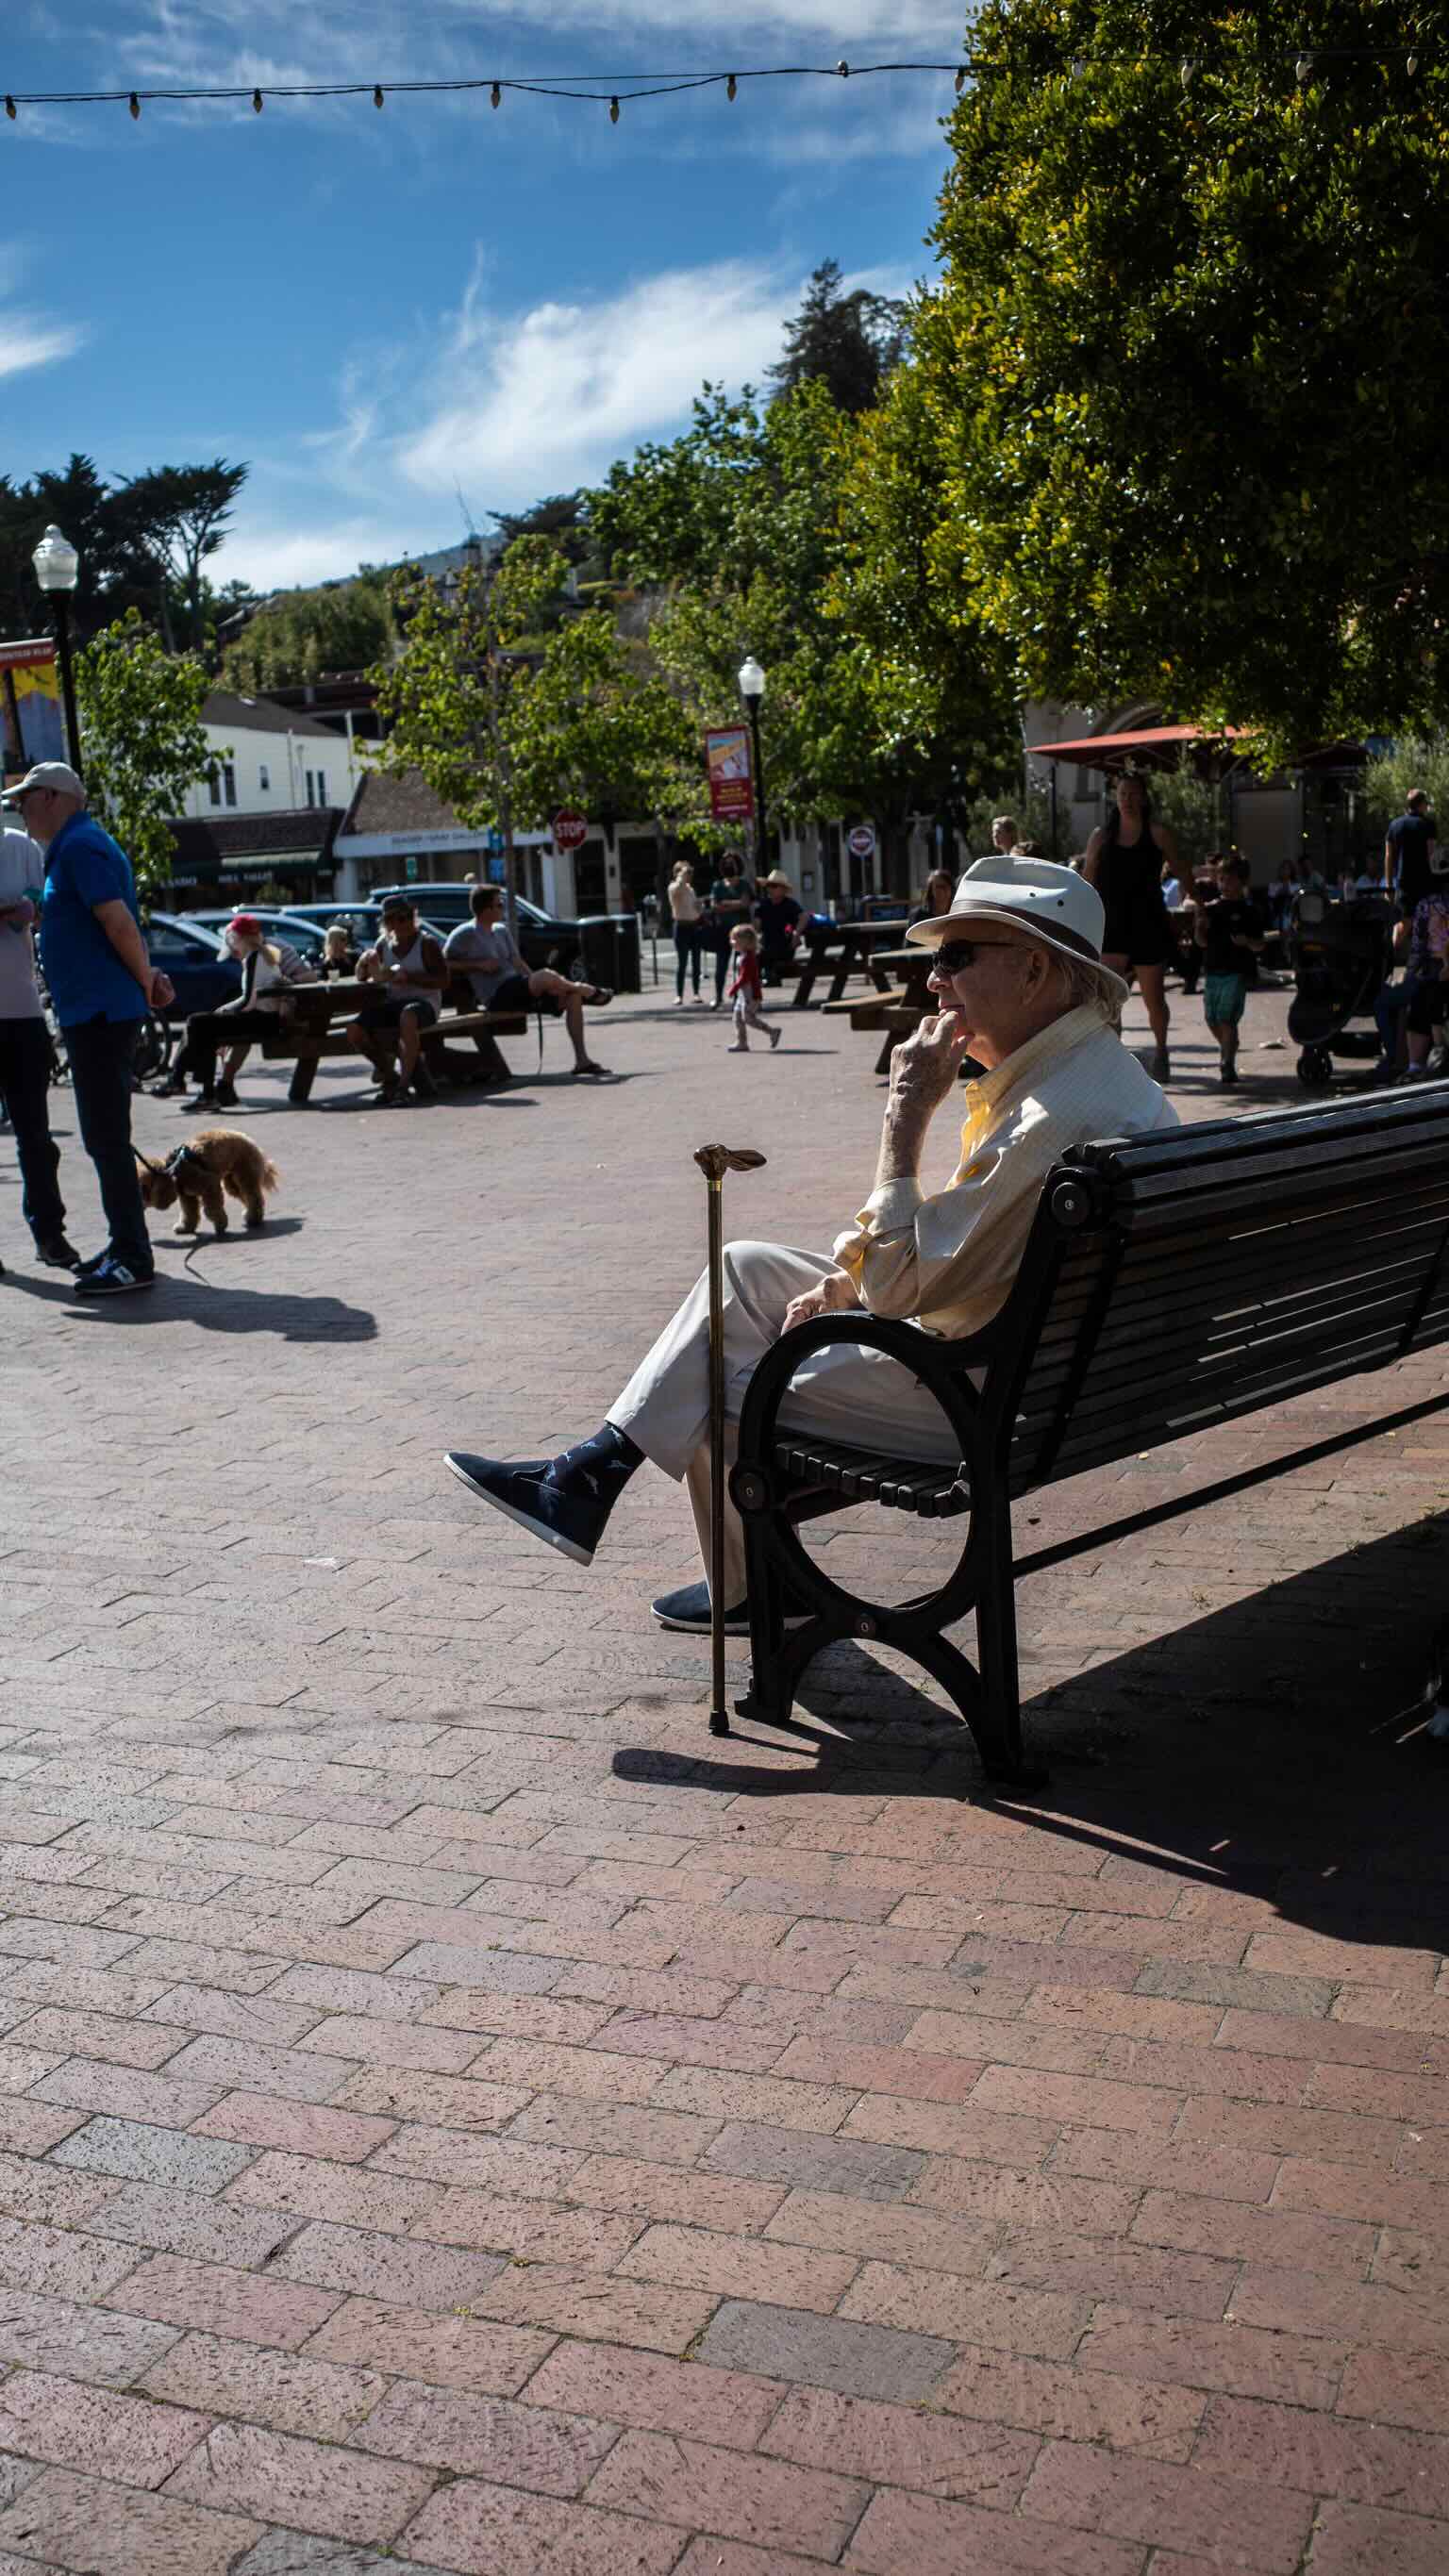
x,y
925,1065
832,1297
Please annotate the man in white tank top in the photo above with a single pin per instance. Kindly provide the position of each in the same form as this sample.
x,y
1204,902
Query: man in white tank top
x,y
410,971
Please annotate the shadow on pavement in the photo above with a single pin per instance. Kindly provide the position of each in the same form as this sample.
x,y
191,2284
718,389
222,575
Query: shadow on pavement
x,y
187,1299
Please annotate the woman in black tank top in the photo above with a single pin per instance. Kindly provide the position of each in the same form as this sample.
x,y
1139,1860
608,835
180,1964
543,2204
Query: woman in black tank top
x,y
1124,861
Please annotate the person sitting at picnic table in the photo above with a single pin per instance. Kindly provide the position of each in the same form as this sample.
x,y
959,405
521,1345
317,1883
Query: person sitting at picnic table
x,y
729,904
778,916
1020,984
338,961
268,973
407,965
936,896
486,951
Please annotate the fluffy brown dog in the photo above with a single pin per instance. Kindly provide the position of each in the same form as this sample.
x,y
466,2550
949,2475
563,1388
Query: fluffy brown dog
x,y
221,1162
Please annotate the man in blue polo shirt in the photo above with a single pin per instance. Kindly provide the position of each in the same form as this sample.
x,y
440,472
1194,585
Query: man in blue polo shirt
x,y
102,984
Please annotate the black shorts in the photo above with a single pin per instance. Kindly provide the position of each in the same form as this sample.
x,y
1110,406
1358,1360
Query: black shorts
x,y
1142,932
387,1011
513,995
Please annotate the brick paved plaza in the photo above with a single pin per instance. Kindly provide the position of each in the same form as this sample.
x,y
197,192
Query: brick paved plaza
x,y
456,2115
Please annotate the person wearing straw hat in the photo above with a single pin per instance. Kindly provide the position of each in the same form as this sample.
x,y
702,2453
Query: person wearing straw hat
x,y
1020,986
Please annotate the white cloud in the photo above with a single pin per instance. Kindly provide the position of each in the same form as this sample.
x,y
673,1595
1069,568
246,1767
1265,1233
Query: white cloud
x,y
27,342
550,397
276,555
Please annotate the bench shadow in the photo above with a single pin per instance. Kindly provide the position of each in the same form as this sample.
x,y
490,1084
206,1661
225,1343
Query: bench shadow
x,y
1275,1746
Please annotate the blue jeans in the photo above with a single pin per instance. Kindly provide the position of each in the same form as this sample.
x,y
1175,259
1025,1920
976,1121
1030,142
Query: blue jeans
x,y
102,1053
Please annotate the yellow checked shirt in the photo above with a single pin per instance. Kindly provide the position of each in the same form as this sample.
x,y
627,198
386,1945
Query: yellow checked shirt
x,y
950,1261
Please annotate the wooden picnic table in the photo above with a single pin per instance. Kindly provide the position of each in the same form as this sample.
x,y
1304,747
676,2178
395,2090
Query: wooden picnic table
x,y
304,1033
857,944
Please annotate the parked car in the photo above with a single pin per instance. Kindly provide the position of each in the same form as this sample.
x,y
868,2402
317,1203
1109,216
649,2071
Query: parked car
x,y
544,940
294,927
361,921
192,955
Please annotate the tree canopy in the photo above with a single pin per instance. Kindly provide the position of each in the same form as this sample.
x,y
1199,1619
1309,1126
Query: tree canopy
x,y
342,626
142,544
1183,384
143,742
849,343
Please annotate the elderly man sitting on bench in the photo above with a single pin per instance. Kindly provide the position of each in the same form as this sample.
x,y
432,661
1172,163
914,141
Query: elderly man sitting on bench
x,y
1021,988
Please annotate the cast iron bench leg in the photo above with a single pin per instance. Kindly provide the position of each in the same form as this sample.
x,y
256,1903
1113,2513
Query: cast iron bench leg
x,y
304,1073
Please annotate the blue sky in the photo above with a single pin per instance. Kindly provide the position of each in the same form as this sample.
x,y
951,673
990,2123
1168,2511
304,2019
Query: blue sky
x,y
404,318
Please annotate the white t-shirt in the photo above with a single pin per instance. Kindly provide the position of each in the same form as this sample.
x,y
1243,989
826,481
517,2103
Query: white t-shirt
x,y
22,874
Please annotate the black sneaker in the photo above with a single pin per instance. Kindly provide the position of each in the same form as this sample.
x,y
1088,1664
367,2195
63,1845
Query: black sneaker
x,y
113,1278
203,1100
57,1254
572,1524
688,1611
424,1087
97,1261
1228,1077
225,1096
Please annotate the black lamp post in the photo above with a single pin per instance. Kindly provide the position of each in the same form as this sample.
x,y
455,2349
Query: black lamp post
x,y
752,689
57,568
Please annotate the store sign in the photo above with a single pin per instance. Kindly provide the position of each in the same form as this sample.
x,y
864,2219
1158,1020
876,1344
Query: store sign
x,y
731,779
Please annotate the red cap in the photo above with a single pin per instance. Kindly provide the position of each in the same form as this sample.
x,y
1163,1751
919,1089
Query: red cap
x,y
245,921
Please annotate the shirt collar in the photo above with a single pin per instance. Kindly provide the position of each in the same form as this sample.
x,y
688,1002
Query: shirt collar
x,y
1057,1038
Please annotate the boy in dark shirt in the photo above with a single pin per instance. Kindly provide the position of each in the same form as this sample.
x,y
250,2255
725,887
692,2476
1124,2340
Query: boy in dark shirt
x,y
1231,933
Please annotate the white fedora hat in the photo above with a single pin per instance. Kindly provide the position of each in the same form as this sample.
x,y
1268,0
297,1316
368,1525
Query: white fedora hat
x,y
1052,905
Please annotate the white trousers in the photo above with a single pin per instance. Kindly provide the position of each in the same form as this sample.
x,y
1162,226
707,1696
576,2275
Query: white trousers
x,y
845,1392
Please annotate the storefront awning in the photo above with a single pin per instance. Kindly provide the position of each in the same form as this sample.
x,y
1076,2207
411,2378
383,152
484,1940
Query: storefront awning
x,y
1160,747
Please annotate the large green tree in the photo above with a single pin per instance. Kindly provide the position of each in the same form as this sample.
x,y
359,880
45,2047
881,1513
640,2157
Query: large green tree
x,y
176,518
1185,380
848,342
343,626
143,742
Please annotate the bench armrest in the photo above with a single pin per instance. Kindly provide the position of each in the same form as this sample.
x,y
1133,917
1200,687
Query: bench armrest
x,y
942,1366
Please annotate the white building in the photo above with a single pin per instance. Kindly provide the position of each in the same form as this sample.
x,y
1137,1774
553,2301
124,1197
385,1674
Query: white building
x,y
271,760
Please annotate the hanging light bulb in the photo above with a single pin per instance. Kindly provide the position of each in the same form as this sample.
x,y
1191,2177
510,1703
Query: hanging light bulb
x,y
844,70
256,102
960,80
377,95
135,105
732,89
1188,72
10,107
613,111
495,96
1079,68
1412,65
1303,70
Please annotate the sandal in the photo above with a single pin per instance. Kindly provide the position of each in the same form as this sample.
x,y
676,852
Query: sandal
x,y
601,995
590,1073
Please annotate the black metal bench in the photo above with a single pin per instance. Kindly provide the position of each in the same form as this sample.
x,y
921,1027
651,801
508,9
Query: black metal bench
x,y
1169,1283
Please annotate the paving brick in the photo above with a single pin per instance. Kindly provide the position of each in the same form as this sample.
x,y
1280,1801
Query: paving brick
x,y
927,2237
40,2193
63,2261
739,2267
944,2129
311,2188
1219,2173
275,2476
291,2392
472,2526
1398,2388
32,2128
46,2333
701,2488
903,2446
221,2301
1338,2137
457,2350
822,2164
671,2137
1233,2522
57,2420
127,2093
731,2558
92,2525
167,2158
654,2394
97,2035
294,2128
1047,2323
929,2533
1362,2463
1320,2303
440,2101
248,2066
586,2303
304,2553
856,2358
1247,2361
1351,2540
1239,2231
638,2188
1127,2414
545,2451
993,2195
186,2222
402,2274
370,2040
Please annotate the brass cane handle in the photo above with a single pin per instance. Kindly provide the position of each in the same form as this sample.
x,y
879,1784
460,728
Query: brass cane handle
x,y
715,1160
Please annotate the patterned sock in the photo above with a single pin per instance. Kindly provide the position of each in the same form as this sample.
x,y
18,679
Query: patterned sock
x,y
596,1470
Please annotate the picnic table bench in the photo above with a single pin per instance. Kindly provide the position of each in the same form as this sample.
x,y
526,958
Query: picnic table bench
x,y
305,1033
855,942
1170,1283
899,1002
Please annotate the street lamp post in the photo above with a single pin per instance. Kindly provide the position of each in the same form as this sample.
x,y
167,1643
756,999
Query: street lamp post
x,y
752,689
57,568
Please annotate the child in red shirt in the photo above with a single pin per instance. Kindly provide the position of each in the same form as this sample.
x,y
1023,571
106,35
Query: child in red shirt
x,y
746,990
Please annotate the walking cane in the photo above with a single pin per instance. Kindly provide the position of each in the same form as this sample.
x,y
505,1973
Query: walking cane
x,y
714,1161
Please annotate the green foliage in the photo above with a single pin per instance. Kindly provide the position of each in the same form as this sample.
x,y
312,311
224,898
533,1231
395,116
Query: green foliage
x,y
1414,762
143,742
598,728
848,343
1184,383
343,626
141,544
177,517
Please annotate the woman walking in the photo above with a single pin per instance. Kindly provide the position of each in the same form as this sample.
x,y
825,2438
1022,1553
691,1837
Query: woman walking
x,y
1124,861
688,914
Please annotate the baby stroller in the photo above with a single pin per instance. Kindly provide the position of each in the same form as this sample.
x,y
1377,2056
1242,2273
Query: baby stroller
x,y
1342,957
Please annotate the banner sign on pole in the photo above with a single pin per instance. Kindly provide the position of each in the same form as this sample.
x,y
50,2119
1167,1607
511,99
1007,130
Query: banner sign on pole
x,y
33,726
731,781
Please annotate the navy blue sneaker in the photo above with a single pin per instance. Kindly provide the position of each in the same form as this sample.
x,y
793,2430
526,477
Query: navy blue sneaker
x,y
573,1523
688,1610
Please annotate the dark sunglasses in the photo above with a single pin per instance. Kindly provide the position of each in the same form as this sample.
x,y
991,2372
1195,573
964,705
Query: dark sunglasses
x,y
955,956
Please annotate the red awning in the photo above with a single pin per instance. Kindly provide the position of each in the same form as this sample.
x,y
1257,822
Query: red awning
x,y
1109,750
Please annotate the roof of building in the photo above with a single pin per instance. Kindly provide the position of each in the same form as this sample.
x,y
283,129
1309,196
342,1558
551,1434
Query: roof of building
x,y
259,715
388,801
209,843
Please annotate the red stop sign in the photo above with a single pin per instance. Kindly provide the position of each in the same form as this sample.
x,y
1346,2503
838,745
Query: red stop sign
x,y
570,831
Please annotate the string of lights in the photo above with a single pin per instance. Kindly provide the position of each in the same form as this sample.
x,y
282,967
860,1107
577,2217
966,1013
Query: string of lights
x,y
617,90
